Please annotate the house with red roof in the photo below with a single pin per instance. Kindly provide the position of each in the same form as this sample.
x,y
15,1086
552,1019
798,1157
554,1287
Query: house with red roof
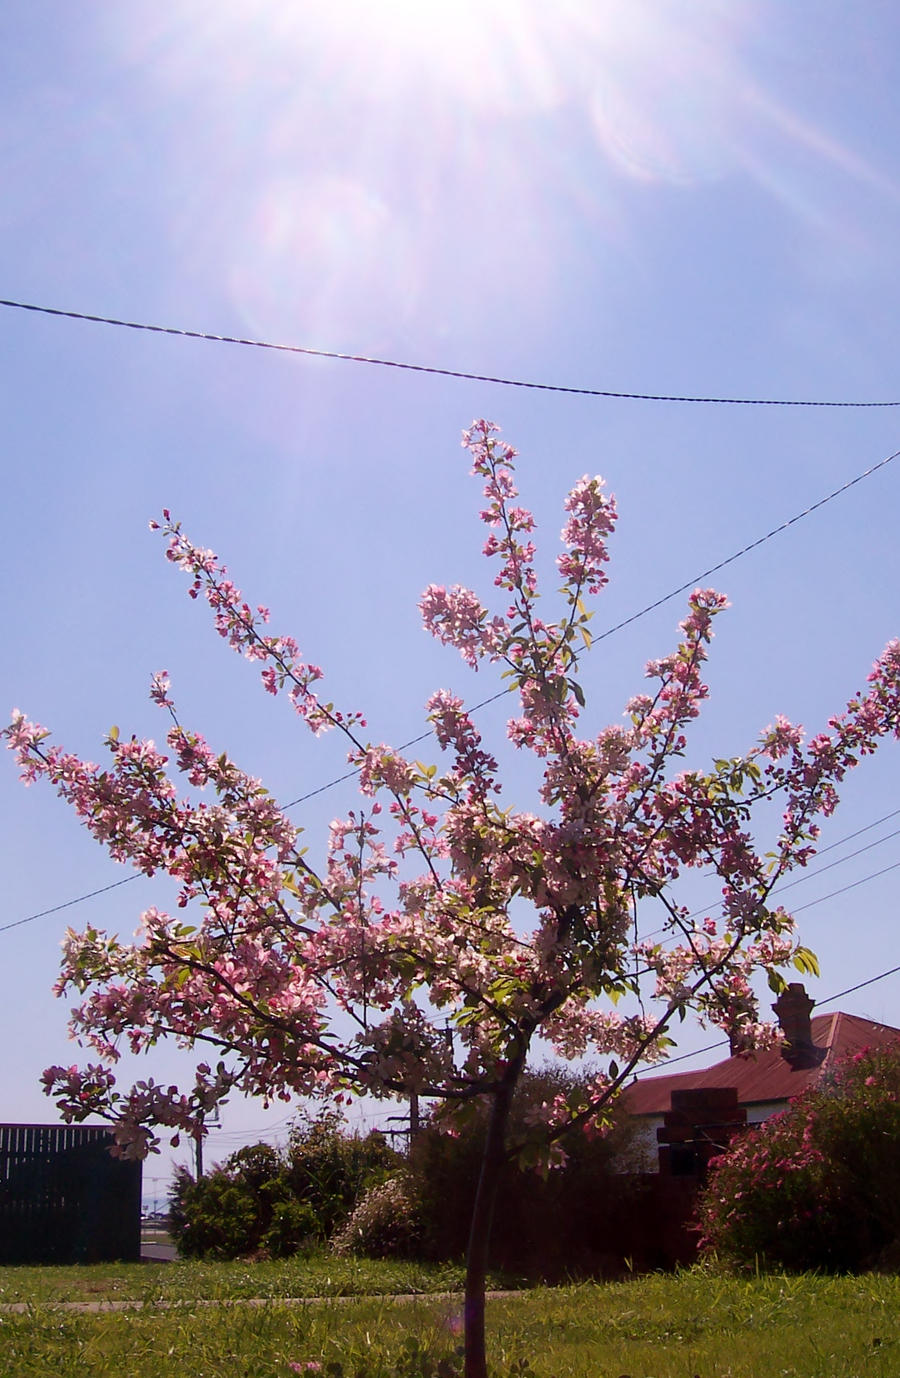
x,y
689,1117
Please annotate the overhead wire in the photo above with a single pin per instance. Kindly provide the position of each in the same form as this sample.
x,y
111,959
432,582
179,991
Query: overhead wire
x,y
723,1042
674,935
876,823
860,985
91,894
815,871
502,693
462,374
650,607
493,698
67,904
873,875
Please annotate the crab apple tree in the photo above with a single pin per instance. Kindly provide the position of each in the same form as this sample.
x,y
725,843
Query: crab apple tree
x,y
443,930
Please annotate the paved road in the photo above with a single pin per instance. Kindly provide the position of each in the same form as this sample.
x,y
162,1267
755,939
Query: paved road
x,y
154,1252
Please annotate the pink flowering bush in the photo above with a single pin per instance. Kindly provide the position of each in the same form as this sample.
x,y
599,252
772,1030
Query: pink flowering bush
x,y
818,1186
437,907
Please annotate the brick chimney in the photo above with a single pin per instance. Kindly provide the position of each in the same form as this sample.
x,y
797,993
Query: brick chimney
x,y
793,1009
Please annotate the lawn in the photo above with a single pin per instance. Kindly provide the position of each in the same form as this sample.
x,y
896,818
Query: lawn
x,y
654,1327
184,1281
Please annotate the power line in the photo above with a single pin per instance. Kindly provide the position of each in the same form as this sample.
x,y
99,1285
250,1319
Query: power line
x,y
860,985
722,1042
819,870
710,1047
821,851
404,746
434,371
831,895
873,875
91,894
79,899
761,540
816,871
602,636
651,607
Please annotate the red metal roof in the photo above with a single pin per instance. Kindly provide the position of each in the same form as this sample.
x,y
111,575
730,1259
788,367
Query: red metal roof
x,y
760,1078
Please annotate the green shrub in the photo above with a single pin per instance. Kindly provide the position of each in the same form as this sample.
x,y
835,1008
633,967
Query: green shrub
x,y
262,1201
817,1187
293,1225
330,1169
213,1218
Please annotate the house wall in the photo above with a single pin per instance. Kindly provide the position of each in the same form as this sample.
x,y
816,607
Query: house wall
x,y
757,1113
645,1151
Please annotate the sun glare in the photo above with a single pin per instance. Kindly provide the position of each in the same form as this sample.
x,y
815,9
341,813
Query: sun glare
x,y
348,143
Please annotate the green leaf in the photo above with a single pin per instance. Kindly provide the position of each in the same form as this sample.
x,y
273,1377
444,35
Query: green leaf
x,y
113,733
577,691
806,961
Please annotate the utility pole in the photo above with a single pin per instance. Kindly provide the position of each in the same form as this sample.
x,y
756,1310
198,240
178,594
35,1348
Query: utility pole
x,y
198,1138
412,1119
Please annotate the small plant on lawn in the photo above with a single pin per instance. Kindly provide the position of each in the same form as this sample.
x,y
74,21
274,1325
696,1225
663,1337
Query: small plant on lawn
x,y
817,1187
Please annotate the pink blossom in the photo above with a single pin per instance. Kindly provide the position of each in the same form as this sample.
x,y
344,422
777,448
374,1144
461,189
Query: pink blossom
x,y
456,618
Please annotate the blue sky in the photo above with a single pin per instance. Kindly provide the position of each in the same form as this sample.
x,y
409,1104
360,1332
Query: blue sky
x,y
682,197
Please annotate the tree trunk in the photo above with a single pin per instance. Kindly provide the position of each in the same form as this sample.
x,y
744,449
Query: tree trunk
x,y
480,1229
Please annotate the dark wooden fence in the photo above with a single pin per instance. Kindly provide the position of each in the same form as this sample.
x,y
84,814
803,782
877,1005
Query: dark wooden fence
x,y
64,1198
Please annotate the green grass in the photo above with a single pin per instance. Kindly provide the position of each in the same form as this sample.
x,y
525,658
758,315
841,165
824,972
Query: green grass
x,y
655,1327
317,1276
